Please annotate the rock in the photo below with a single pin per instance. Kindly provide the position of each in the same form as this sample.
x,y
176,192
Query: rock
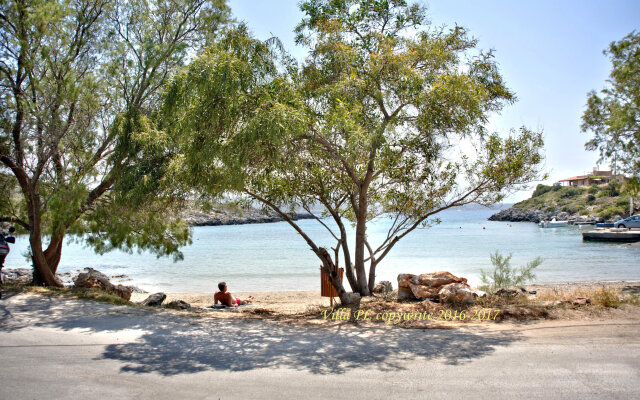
x,y
94,279
456,293
425,286
580,301
154,300
353,300
178,305
123,291
383,287
136,289
507,292
17,276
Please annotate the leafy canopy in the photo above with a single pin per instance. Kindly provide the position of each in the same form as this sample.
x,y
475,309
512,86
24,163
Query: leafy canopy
x,y
613,115
386,117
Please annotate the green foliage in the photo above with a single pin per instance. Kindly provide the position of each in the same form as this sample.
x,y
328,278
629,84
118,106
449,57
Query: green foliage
x,y
591,199
613,189
593,189
80,87
622,202
360,127
540,190
570,192
612,115
611,211
504,275
571,209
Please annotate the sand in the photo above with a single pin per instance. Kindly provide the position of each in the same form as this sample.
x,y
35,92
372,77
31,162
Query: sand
x,y
291,303
279,302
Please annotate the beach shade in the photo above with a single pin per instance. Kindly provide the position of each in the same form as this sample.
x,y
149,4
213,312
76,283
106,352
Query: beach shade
x,y
326,288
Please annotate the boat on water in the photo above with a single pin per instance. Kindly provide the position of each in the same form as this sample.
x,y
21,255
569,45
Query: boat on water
x,y
554,223
603,225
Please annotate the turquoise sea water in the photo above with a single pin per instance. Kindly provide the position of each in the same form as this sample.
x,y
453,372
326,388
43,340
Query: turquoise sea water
x,y
264,257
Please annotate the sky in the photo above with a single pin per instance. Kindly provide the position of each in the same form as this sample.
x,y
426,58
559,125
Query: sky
x,y
549,53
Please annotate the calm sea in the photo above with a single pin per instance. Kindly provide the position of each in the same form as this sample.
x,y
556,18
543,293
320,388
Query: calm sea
x,y
264,257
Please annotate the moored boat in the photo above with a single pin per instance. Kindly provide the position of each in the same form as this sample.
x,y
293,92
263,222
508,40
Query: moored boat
x,y
553,223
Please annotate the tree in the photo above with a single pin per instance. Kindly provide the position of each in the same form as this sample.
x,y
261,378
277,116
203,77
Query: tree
x,y
372,125
613,115
79,153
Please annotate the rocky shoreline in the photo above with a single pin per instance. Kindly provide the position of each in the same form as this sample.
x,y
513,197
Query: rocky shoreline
x,y
250,216
515,214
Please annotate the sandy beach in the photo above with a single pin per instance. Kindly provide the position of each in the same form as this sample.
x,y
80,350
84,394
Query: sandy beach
x,y
291,303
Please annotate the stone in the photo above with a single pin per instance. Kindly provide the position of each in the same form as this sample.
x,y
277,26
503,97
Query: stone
x,y
580,301
178,305
353,300
456,293
17,276
94,279
425,286
154,300
383,287
507,292
123,291
136,289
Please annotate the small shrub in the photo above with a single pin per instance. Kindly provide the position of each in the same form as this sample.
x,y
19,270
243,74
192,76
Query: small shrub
x,y
593,189
606,298
591,199
571,209
613,188
540,190
550,209
622,202
602,194
557,187
611,211
570,192
504,275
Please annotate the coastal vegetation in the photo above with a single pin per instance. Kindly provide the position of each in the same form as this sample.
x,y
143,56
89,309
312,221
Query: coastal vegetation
x,y
504,275
372,125
593,202
612,116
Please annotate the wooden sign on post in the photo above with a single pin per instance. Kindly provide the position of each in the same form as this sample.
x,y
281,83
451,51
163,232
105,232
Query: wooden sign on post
x,y
326,288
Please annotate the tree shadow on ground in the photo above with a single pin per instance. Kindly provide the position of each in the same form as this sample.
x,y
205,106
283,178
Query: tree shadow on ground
x,y
175,344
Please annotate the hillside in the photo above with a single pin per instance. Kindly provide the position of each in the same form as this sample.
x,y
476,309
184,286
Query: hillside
x,y
599,203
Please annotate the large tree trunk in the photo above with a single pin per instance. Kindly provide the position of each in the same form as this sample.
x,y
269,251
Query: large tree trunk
x,y
43,275
53,253
361,231
372,275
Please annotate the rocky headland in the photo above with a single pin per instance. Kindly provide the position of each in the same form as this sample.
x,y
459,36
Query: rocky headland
x,y
236,216
593,204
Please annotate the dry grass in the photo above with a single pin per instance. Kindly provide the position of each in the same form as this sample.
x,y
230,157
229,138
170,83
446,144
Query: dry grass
x,y
78,293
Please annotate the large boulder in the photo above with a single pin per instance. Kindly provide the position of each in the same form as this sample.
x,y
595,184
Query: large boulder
x,y
94,279
383,287
456,293
154,300
425,286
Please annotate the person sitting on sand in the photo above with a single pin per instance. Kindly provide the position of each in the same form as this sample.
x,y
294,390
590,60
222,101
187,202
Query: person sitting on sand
x,y
227,298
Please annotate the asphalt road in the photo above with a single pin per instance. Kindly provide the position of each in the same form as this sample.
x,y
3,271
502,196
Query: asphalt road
x,y
58,348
